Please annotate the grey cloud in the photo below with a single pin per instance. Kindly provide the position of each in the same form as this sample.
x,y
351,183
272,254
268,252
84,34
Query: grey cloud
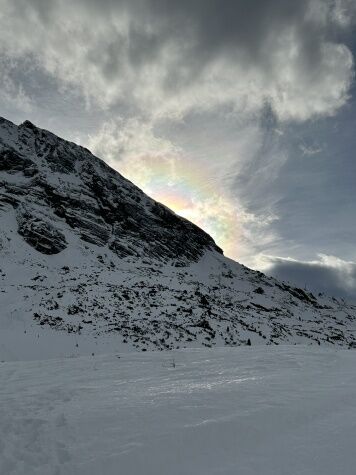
x,y
247,32
180,55
234,26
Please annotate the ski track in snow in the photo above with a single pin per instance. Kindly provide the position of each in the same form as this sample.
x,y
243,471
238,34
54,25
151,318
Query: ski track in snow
x,y
267,410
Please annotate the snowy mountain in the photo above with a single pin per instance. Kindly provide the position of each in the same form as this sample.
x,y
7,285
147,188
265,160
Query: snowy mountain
x,y
88,262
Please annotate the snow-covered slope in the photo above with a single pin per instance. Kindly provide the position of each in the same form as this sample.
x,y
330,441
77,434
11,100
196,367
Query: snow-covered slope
x,y
89,263
246,411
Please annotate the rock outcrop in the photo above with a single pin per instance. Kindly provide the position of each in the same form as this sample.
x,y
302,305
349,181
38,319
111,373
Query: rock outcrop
x,y
80,192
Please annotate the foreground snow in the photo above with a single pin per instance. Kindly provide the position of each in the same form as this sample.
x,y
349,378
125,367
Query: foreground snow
x,y
267,410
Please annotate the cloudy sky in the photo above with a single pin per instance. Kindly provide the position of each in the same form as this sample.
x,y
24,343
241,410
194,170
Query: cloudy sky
x,y
239,115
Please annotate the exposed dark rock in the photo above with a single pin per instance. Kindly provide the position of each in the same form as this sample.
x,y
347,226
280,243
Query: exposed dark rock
x,y
91,228
259,290
12,162
40,234
120,249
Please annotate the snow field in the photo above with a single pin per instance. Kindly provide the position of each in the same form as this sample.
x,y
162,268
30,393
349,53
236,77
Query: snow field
x,y
246,411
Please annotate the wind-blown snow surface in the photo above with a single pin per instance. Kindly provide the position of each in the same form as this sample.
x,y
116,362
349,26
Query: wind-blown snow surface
x,y
239,411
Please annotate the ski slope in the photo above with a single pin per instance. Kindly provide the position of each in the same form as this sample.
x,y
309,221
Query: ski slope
x,y
283,410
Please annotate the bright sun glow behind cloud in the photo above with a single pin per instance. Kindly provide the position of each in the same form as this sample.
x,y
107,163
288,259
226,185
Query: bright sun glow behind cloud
x,y
165,173
188,192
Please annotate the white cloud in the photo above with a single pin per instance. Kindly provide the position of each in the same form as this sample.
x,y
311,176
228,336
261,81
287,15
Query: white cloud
x,y
120,140
309,150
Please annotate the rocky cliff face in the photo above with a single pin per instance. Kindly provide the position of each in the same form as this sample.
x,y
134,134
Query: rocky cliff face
x,y
85,252
55,185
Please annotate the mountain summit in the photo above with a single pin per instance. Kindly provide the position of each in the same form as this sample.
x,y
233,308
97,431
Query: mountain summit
x,y
60,190
86,252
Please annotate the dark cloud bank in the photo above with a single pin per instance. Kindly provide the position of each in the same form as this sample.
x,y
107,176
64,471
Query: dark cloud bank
x,y
329,275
